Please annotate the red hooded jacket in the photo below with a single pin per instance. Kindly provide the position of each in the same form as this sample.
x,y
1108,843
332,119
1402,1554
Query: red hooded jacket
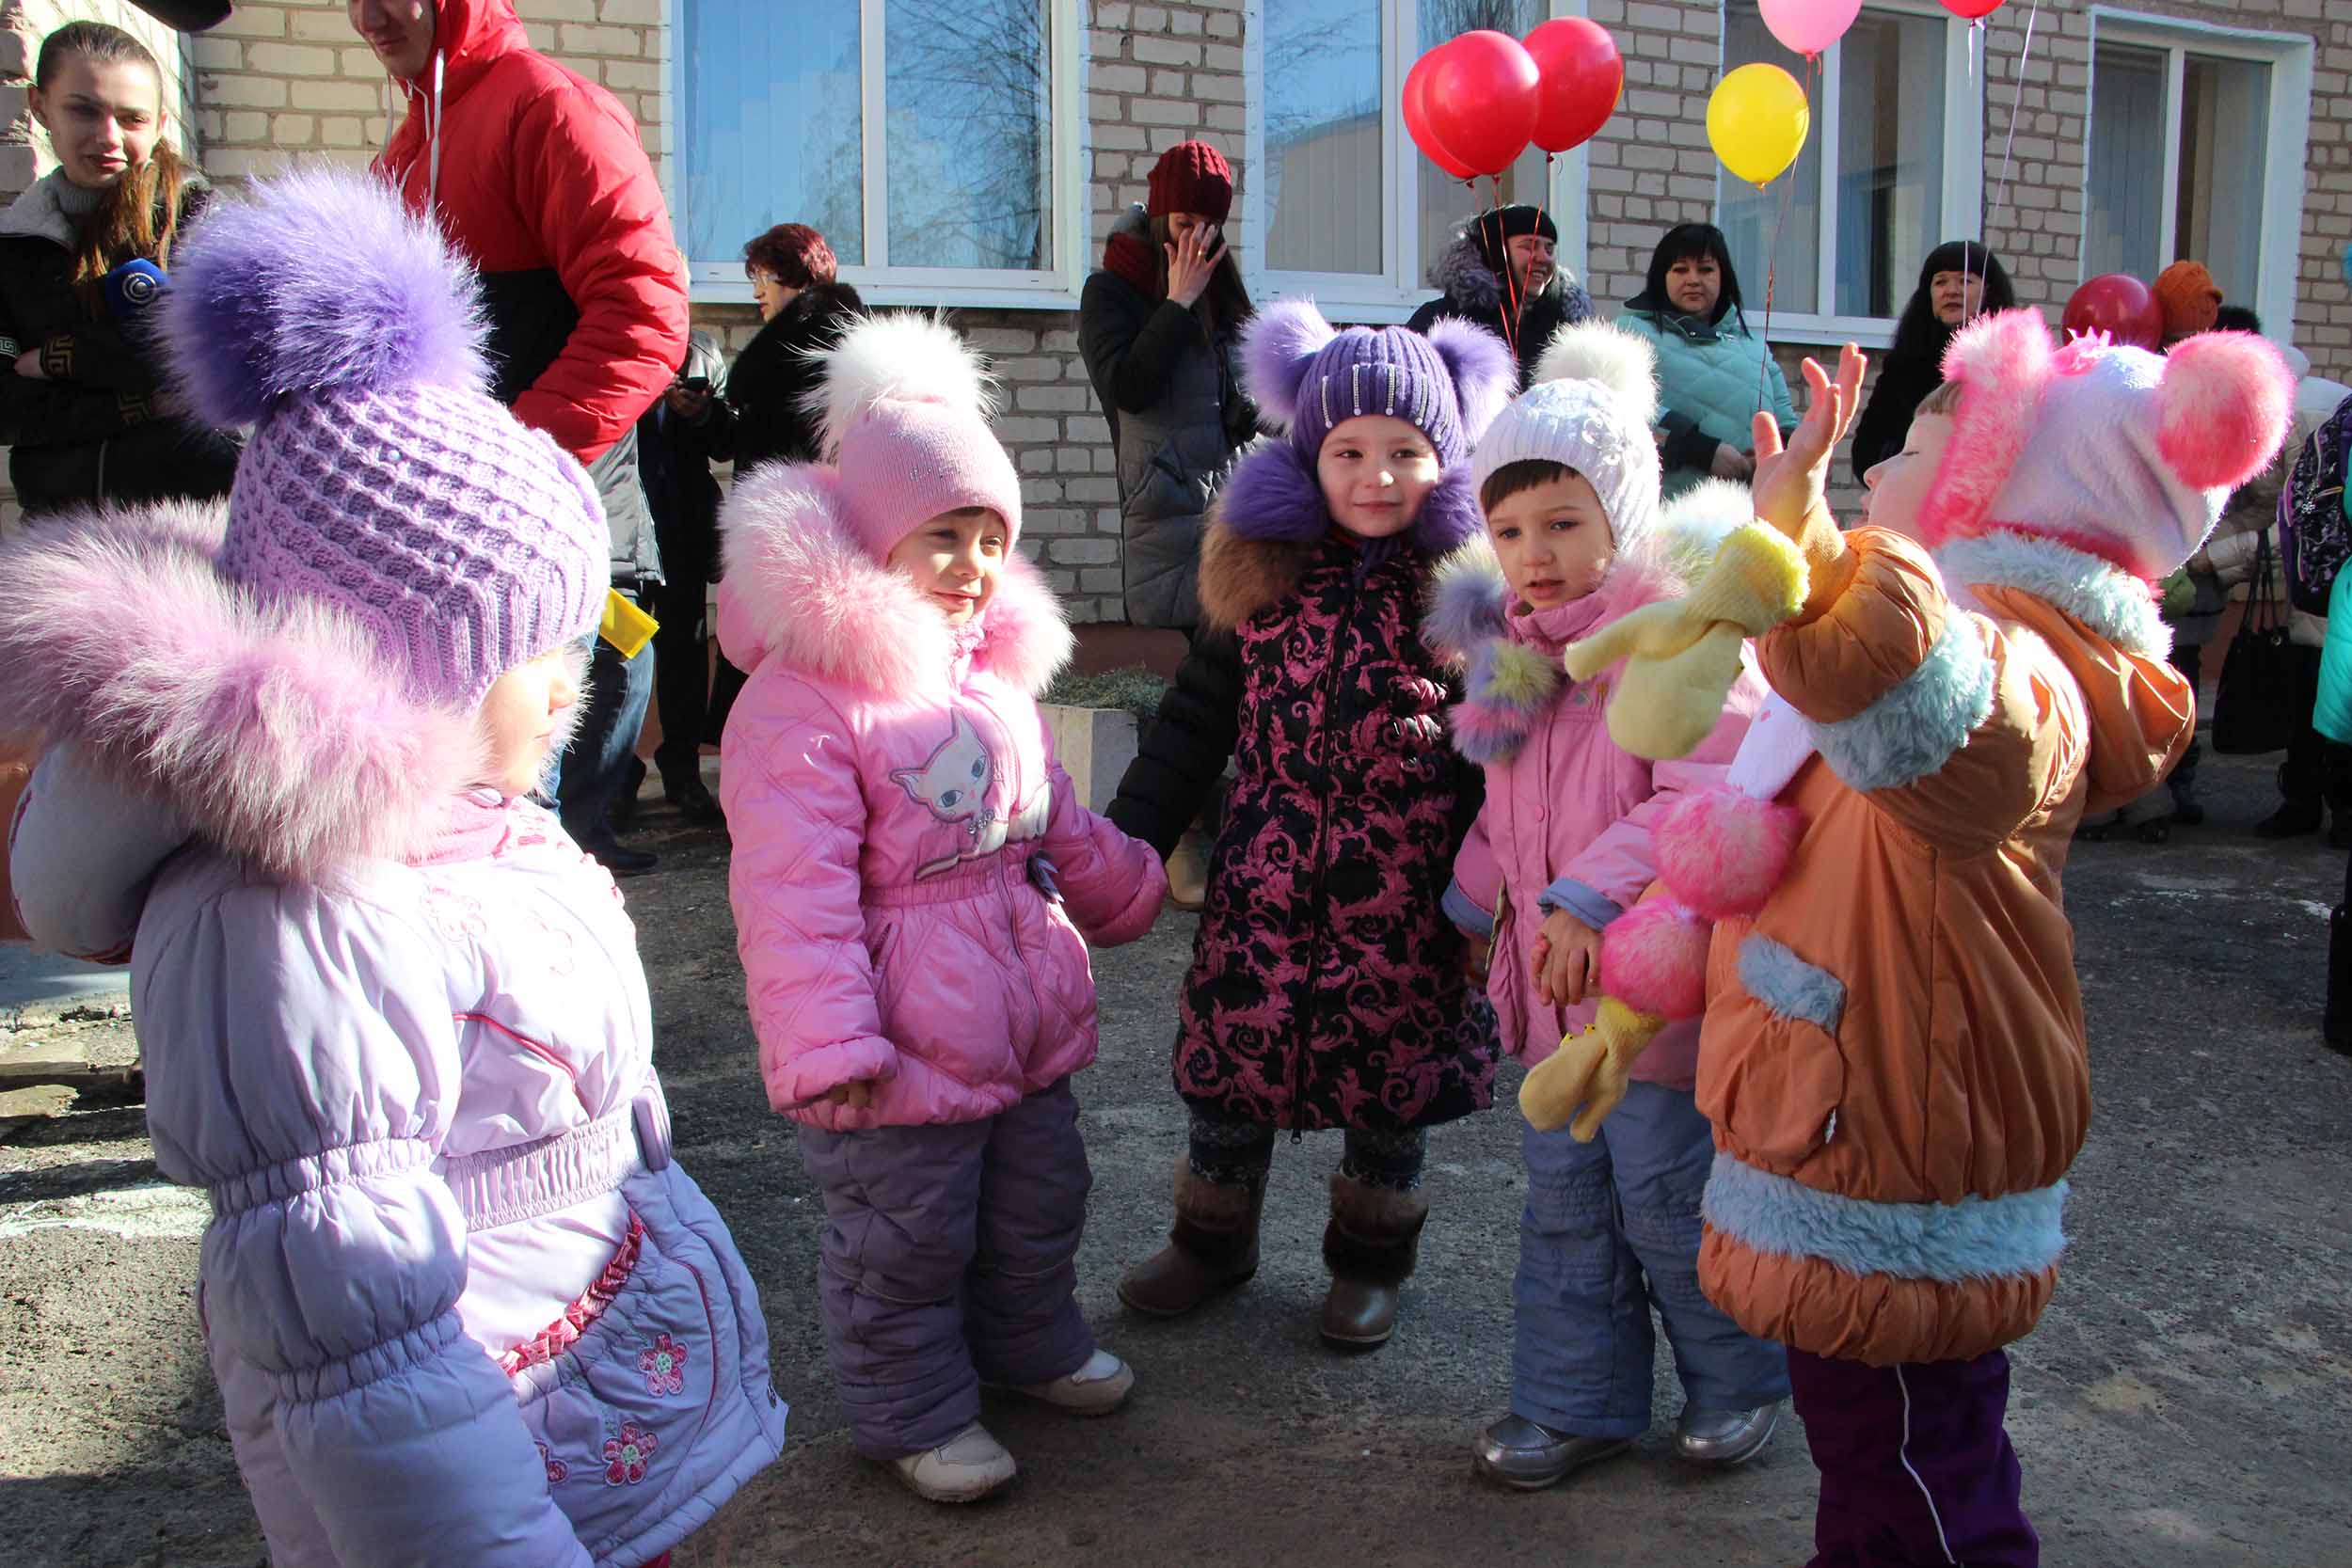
x,y
540,179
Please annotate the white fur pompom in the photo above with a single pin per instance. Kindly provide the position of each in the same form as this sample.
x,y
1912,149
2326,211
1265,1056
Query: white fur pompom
x,y
1618,357
906,357
1695,523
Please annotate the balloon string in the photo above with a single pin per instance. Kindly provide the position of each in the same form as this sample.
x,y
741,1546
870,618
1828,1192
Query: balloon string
x,y
1772,257
1967,306
2016,97
1510,276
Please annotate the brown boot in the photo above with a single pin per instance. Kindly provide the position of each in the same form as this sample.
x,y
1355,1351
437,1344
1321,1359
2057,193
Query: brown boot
x,y
1369,1245
1212,1247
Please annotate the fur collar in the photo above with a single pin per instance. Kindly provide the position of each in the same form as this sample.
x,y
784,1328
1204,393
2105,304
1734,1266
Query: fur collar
x,y
1508,685
2112,603
274,729
39,214
799,588
1462,272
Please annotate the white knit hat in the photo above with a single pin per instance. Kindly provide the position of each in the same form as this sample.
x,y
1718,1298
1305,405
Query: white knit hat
x,y
1590,409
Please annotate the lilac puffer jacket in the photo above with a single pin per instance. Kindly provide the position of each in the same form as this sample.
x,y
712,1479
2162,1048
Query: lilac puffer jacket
x,y
911,867
462,1305
1567,818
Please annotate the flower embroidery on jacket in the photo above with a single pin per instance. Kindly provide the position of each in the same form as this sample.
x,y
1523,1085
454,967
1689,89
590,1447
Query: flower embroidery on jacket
x,y
557,1469
456,915
626,1456
663,1362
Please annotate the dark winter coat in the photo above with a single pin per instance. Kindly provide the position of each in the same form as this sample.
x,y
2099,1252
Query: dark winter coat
x,y
674,458
1913,366
776,370
539,178
1474,293
1170,391
1327,986
95,428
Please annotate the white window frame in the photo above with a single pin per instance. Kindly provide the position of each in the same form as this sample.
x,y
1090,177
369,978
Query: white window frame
x,y
1397,289
2279,255
1962,214
718,280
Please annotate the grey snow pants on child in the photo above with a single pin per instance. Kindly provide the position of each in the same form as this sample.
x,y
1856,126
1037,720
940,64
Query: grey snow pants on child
x,y
950,1256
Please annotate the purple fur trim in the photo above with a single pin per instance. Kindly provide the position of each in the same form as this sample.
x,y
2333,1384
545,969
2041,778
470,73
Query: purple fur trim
x,y
1484,374
1272,495
1465,602
1277,347
318,279
1487,735
1449,518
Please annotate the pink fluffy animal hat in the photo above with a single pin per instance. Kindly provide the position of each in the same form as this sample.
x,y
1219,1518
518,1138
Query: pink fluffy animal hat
x,y
2123,453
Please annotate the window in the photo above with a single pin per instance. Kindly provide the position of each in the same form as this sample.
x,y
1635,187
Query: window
x,y
934,142
1349,209
1898,120
2196,150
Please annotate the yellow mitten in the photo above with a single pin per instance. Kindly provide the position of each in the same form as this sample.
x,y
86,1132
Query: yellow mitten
x,y
1682,656
1590,1068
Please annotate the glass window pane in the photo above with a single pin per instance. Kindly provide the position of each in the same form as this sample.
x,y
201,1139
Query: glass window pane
x,y
1323,100
2123,221
1790,205
2225,116
970,154
1890,159
772,131
1444,203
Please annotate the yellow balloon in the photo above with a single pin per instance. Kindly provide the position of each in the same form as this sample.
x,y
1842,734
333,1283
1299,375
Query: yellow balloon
x,y
1757,122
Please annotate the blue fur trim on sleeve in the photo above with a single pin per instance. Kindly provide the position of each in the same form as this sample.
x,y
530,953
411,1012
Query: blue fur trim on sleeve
x,y
1787,985
1568,894
1916,726
1977,1238
1464,911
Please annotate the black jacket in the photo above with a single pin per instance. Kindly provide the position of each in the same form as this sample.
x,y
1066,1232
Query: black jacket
x,y
97,428
673,457
775,373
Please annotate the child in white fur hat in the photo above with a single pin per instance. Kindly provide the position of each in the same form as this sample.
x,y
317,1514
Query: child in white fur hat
x,y
1568,479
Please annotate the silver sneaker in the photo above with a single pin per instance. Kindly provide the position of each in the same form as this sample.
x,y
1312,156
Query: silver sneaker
x,y
1724,1437
1531,1456
963,1469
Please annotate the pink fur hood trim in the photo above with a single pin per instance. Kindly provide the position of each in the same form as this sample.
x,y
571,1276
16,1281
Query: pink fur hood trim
x,y
272,728
799,588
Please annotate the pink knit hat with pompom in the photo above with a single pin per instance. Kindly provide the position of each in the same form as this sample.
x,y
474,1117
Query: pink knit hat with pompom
x,y
903,410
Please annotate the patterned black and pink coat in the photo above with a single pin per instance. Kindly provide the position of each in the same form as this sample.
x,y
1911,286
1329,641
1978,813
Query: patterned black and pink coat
x,y
1327,986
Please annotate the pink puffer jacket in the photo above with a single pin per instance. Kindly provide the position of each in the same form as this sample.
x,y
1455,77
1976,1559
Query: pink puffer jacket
x,y
911,867
1567,818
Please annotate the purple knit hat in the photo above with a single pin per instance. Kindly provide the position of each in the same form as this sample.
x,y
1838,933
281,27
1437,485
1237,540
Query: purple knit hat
x,y
905,408
381,478
1309,377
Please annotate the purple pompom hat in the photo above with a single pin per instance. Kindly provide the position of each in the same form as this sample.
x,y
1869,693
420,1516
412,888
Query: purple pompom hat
x,y
381,479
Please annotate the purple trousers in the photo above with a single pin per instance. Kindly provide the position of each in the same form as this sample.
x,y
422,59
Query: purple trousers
x,y
950,1256
1915,1465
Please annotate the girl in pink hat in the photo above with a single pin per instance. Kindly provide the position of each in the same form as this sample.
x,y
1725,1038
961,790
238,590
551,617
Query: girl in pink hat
x,y
911,877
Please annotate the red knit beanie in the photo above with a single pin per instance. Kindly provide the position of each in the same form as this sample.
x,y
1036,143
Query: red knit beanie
x,y
1192,177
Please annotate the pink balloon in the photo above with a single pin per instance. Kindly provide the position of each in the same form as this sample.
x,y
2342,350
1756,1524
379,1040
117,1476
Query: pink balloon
x,y
1482,99
1809,26
1969,10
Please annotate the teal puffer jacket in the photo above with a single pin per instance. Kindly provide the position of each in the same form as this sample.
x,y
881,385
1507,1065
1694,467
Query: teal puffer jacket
x,y
1708,377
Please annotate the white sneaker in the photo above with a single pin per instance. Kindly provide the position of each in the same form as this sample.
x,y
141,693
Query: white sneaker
x,y
1097,1388
963,1469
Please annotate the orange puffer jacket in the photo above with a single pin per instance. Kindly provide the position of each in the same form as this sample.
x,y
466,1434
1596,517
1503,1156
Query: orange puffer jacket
x,y
1894,1056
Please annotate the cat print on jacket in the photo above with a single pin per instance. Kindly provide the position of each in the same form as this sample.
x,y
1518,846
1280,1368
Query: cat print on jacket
x,y
954,784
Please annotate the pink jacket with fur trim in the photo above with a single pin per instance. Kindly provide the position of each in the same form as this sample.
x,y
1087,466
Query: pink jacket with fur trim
x,y
1567,818
912,866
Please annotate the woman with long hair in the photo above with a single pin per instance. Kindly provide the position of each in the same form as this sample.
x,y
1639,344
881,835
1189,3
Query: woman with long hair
x,y
1714,372
1958,282
82,254
1158,325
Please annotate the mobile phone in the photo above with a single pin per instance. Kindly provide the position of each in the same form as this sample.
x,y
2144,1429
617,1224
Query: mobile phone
x,y
696,383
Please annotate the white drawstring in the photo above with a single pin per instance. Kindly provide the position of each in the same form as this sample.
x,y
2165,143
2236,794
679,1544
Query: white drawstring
x,y
433,135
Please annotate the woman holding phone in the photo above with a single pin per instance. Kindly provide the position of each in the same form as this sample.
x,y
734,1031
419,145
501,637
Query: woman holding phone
x,y
1158,325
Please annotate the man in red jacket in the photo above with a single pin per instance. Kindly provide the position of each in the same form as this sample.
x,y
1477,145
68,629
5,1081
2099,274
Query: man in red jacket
x,y
537,176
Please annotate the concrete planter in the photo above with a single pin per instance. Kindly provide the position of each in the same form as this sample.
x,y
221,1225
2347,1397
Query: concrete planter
x,y
1095,744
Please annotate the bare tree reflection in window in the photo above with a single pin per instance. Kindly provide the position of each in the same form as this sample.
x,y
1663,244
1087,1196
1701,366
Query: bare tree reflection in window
x,y
773,132
968,135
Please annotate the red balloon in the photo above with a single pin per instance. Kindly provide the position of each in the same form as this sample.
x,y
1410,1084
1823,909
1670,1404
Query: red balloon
x,y
1481,99
1969,10
1581,77
1417,117
2119,305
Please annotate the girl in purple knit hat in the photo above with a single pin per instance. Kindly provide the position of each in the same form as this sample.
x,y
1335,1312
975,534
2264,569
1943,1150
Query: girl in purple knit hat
x,y
912,875
1326,988
463,1307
